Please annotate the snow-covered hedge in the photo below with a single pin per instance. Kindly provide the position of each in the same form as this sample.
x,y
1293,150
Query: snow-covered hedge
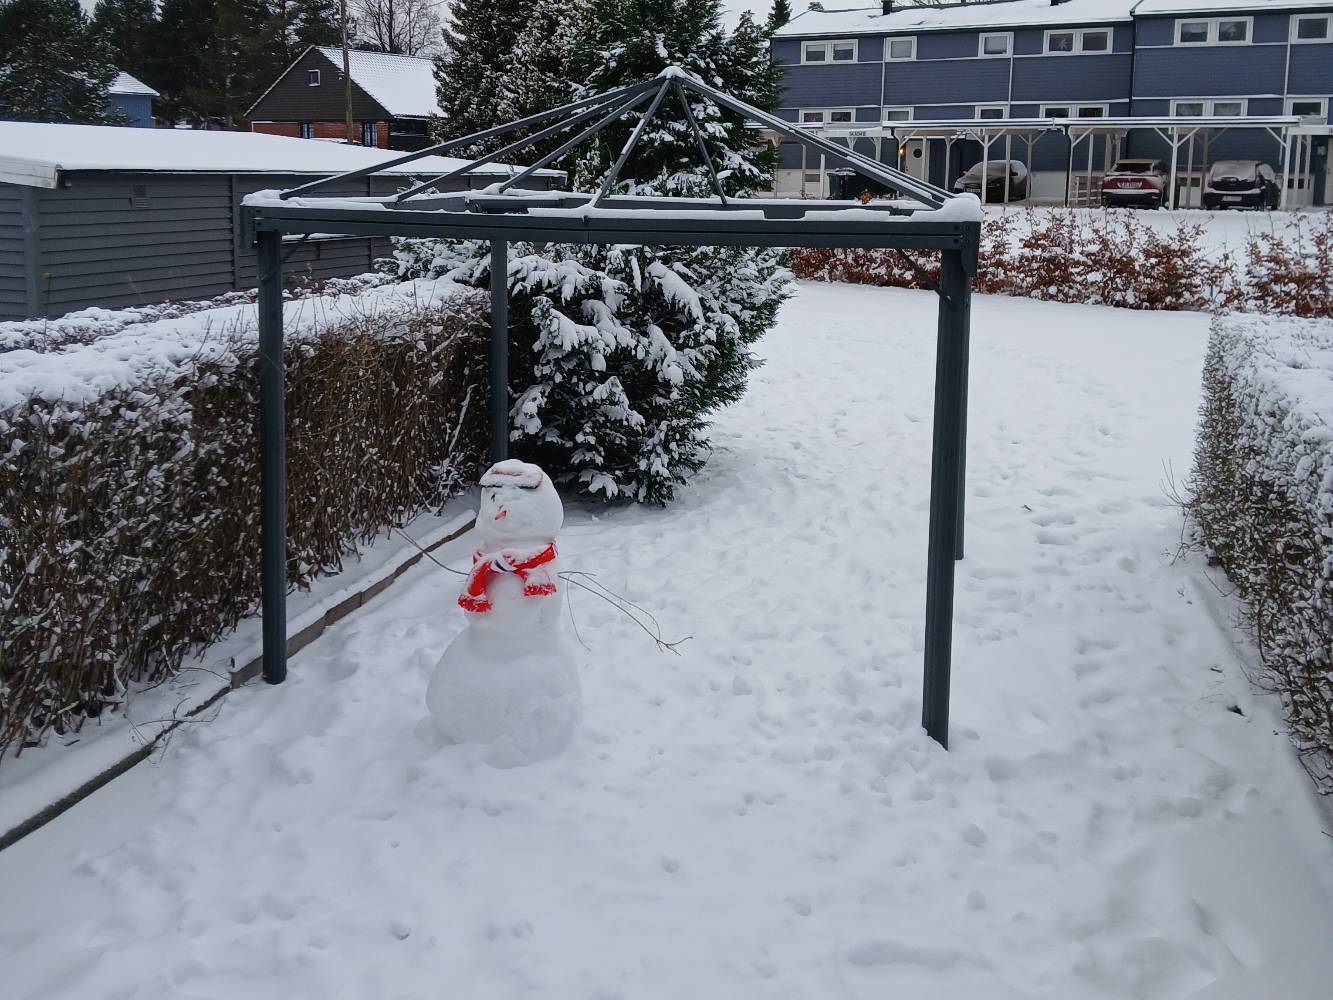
x,y
1120,258
1261,494
129,481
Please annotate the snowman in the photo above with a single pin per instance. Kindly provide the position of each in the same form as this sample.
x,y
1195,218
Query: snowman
x,y
509,681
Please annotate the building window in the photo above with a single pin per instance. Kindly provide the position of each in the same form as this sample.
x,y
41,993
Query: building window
x,y
1071,41
368,133
1308,106
992,111
828,116
897,114
993,44
1308,28
1060,41
1214,31
825,52
307,130
1074,111
312,78
899,49
1096,41
1224,108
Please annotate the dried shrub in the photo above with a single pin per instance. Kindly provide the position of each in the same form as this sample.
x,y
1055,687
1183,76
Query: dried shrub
x,y
130,526
1261,496
1113,258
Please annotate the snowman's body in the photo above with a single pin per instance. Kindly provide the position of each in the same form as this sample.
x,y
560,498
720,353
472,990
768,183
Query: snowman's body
x,y
509,680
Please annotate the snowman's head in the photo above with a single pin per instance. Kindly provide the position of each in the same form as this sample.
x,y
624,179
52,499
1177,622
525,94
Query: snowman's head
x,y
519,506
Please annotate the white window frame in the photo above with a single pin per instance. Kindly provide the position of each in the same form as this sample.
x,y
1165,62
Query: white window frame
x,y
1078,34
884,113
1213,23
312,78
888,42
1008,52
1314,99
1073,108
827,46
977,109
1328,28
824,116
1209,104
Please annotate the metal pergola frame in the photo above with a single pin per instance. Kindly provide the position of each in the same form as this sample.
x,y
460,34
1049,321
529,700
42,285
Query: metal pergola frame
x,y
927,219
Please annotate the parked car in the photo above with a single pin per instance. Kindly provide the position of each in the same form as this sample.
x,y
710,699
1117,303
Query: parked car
x,y
1241,184
1135,182
996,170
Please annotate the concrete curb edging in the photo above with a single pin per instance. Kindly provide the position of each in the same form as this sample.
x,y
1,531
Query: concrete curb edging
x,y
239,676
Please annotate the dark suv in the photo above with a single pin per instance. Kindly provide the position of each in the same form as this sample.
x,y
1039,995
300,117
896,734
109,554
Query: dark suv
x,y
1241,184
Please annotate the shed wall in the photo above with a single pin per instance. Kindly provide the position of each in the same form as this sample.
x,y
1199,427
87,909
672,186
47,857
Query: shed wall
x,y
120,239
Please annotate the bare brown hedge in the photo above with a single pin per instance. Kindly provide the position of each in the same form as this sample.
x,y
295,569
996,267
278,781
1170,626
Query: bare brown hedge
x,y
1113,259
130,523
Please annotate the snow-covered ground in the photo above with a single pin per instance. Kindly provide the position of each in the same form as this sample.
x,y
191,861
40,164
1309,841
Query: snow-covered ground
x,y
762,816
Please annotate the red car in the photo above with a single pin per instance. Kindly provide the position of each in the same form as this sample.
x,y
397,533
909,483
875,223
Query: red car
x,y
1135,182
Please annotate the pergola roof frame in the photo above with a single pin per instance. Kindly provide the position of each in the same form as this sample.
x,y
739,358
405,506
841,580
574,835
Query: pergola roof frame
x,y
926,218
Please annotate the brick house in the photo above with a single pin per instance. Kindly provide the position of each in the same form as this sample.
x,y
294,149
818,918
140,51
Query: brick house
x,y
393,98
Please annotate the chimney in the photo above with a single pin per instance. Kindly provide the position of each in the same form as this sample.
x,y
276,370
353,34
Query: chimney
x,y
888,6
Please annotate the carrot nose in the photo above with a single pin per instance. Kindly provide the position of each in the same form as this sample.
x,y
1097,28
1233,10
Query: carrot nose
x,y
502,513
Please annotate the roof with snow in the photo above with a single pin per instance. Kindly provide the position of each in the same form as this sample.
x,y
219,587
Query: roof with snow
x,y
403,85
1013,14
1004,13
1154,7
36,153
128,85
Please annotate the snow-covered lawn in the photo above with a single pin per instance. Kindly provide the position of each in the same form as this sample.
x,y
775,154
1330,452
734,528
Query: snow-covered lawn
x,y
762,816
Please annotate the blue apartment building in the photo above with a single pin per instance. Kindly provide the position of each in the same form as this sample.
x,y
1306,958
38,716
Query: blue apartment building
x,y
1065,86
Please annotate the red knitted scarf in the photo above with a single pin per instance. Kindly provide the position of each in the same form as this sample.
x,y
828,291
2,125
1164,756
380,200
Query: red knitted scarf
x,y
484,570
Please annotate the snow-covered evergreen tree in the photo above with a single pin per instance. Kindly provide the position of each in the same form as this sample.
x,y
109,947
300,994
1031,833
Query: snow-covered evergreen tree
x,y
53,68
620,355
779,15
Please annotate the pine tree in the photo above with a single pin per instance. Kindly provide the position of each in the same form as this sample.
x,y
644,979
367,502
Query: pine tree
x,y
313,22
127,26
181,56
620,355
637,39
779,15
53,68
479,41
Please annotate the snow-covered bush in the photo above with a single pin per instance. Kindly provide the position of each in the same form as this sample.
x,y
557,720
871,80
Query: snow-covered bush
x,y
1261,495
129,478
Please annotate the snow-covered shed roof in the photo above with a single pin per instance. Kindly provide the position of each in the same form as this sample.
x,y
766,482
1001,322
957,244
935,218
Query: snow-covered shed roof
x,y
36,153
128,85
403,85
1000,14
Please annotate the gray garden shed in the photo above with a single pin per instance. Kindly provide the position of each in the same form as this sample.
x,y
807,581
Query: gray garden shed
x,y
101,216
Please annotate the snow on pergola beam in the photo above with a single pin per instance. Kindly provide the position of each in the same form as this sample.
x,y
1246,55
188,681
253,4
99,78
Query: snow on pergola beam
x,y
924,217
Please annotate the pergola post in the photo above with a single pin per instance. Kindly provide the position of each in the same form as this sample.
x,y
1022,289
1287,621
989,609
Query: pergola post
x,y
946,479
272,459
499,350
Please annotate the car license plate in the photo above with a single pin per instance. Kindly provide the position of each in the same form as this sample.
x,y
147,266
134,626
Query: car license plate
x,y
1127,184
1231,197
